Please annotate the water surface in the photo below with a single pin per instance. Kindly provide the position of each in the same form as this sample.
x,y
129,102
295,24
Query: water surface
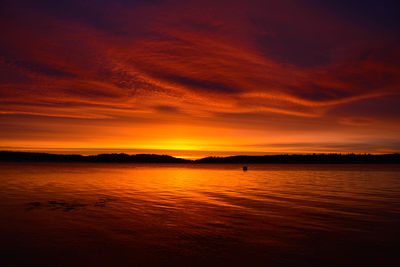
x,y
63,214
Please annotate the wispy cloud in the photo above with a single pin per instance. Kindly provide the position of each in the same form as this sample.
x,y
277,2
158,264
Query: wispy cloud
x,y
187,62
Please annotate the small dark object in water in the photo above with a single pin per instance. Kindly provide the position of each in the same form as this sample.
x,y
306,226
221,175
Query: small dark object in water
x,y
101,203
245,168
55,203
34,204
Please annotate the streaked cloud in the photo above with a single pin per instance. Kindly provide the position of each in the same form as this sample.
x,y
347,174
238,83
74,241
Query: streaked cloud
x,y
271,67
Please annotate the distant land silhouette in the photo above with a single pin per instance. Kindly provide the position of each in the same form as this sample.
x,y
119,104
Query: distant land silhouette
x,y
12,156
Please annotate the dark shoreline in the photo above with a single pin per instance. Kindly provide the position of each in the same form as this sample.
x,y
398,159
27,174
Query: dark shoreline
x,y
12,156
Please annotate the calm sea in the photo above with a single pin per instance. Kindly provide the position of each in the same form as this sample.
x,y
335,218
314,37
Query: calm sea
x,y
78,214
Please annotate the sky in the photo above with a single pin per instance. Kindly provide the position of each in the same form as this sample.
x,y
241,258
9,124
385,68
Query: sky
x,y
198,78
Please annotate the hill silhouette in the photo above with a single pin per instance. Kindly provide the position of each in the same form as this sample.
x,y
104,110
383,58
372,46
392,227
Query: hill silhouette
x,y
12,156
302,159
115,157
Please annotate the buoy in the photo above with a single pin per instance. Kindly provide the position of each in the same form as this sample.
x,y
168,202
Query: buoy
x,y
245,168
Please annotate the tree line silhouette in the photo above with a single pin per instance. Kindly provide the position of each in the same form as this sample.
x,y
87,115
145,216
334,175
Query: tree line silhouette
x,y
12,156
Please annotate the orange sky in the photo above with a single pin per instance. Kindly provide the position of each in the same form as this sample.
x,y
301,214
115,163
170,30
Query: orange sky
x,y
197,78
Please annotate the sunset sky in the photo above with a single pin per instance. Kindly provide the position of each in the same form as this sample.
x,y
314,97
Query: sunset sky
x,y
198,78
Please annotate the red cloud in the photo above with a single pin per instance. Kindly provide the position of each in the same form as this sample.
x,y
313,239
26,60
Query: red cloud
x,y
179,61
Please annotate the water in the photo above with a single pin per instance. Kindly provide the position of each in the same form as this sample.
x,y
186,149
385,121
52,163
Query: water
x,y
63,214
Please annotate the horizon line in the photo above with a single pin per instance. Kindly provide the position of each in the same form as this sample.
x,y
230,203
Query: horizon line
x,y
184,153
227,156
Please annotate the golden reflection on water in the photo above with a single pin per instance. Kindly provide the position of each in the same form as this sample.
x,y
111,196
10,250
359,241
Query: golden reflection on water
x,y
130,214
